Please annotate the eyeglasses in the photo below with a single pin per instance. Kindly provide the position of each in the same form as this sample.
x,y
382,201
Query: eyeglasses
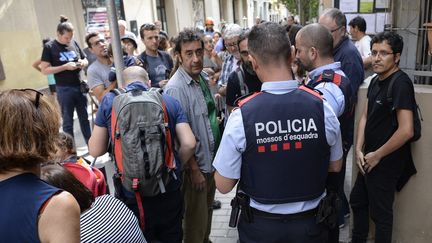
x,y
244,53
37,98
231,45
338,28
381,53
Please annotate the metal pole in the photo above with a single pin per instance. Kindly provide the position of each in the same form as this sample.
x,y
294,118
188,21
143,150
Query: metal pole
x,y
115,42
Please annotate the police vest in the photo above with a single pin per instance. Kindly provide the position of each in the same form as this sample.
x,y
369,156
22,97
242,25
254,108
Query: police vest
x,y
287,154
347,118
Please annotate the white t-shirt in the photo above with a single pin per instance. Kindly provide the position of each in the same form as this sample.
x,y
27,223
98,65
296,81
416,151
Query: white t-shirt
x,y
363,46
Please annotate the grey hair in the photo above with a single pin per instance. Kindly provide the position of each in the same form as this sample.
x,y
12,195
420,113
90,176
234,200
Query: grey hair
x,y
337,15
232,30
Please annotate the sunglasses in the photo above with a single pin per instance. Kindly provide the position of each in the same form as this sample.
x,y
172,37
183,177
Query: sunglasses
x,y
149,26
37,98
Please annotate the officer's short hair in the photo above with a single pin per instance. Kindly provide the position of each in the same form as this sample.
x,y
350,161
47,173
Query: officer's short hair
x,y
318,36
269,42
358,22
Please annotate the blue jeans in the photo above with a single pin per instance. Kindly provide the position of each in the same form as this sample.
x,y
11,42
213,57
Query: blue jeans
x,y
71,98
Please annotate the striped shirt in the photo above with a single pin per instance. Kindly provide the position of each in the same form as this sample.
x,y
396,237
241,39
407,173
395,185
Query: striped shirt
x,y
109,220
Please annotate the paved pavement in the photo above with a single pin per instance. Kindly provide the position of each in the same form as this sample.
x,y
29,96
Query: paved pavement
x,y
221,232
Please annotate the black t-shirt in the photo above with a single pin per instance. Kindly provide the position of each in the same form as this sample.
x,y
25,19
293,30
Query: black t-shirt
x,y
233,86
382,120
58,54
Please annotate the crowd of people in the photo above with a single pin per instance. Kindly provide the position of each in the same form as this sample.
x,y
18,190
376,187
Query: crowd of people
x,y
268,112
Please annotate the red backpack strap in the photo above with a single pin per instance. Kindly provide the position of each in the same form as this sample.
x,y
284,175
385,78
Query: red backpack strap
x,y
169,155
116,143
135,183
311,91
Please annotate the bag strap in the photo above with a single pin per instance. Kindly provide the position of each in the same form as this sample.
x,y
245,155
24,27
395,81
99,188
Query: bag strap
x,y
169,155
135,183
389,96
118,91
243,87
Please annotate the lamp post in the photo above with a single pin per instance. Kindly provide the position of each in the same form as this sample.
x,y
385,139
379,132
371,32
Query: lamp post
x,y
245,22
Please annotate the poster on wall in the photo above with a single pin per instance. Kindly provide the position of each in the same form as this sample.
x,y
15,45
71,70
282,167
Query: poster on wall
x,y
366,6
97,20
348,6
381,3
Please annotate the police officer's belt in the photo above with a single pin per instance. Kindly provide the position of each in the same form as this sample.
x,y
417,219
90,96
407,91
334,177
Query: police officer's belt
x,y
301,215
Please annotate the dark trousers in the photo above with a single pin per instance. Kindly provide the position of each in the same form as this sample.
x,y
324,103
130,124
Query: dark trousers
x,y
373,194
333,236
163,216
267,230
71,98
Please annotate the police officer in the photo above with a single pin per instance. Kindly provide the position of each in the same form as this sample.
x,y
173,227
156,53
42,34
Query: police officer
x,y
280,144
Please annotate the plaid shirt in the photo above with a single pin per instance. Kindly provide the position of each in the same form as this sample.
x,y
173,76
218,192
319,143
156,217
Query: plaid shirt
x,y
230,64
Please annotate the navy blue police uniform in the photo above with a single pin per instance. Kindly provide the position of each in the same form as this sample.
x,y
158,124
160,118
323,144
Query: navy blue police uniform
x,y
279,144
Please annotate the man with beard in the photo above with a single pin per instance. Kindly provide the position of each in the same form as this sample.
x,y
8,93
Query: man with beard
x,y
244,80
98,71
314,45
314,52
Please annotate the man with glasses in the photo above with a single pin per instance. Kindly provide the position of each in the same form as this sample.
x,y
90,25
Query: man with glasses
x,y
157,63
344,50
383,149
346,53
244,79
98,71
232,57
189,85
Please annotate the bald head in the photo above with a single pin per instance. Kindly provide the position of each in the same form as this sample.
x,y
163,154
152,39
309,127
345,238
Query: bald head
x,y
135,73
318,36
